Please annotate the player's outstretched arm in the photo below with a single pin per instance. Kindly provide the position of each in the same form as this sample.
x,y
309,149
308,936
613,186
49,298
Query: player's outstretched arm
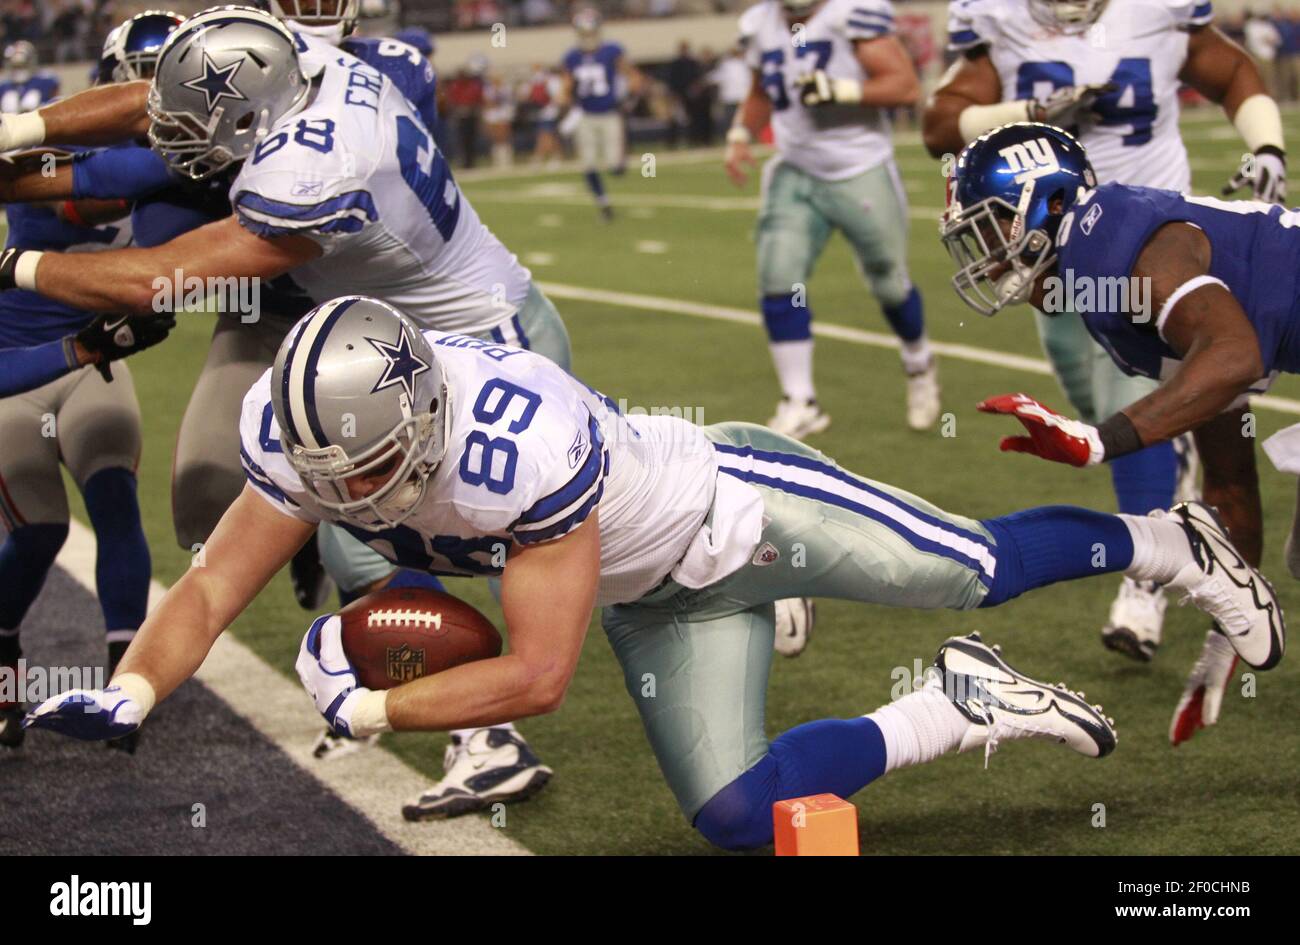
x,y
751,118
1200,319
35,176
127,280
1223,72
548,592
249,545
971,82
103,115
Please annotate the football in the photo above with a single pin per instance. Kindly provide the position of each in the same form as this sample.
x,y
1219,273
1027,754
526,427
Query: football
x,y
395,636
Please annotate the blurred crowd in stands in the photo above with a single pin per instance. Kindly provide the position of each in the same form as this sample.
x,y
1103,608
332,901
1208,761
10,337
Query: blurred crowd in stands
x,y
686,100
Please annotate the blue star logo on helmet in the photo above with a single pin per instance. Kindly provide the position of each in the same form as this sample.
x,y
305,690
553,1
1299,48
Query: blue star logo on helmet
x,y
217,82
403,365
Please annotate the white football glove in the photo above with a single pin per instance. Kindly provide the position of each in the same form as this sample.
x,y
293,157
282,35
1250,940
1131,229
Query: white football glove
x,y
328,676
1064,106
795,617
1265,172
820,89
89,714
1203,695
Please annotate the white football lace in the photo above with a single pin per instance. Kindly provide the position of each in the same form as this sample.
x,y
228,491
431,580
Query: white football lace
x,y
1009,727
1225,609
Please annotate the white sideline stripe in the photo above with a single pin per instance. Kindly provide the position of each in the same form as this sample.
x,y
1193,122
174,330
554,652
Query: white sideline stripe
x,y
373,782
726,313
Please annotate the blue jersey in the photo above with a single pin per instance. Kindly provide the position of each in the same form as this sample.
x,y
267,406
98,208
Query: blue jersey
x,y
27,318
29,94
405,67
595,76
1255,252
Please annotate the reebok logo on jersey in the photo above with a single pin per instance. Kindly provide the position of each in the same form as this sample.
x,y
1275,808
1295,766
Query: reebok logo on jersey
x,y
1090,219
307,188
577,450
766,554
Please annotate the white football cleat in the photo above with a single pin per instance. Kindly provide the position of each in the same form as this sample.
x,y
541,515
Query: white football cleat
x,y
798,419
1222,585
1002,703
491,765
923,397
1136,619
795,617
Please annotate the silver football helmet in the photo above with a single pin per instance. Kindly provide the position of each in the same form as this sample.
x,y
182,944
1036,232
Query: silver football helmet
x,y
1068,16
330,20
223,79
358,391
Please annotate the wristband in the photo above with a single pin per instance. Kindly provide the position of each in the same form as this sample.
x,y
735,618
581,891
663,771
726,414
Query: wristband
x,y
139,689
19,131
25,269
1259,123
739,134
1118,437
370,715
974,120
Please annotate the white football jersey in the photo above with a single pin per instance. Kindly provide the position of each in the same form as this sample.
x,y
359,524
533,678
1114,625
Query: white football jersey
x,y
832,142
1138,45
357,172
531,452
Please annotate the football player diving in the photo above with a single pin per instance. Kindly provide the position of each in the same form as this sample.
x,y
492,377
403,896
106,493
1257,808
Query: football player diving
x,y
1111,73
825,74
1195,294
291,130
447,450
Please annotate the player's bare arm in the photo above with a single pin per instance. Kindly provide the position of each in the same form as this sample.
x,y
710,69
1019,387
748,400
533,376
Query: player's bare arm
x,y
92,212
972,80
751,118
1207,326
36,175
102,115
126,279
892,79
249,545
548,592
1220,69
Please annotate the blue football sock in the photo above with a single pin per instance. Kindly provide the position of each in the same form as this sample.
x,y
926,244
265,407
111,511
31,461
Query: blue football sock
x,y
1145,480
596,186
25,559
786,321
907,319
835,756
1054,543
122,563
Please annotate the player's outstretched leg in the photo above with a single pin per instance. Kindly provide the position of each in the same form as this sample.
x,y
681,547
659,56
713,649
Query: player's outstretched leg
x,y
971,698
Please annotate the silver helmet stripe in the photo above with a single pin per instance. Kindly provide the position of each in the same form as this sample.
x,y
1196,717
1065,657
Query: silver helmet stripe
x,y
300,374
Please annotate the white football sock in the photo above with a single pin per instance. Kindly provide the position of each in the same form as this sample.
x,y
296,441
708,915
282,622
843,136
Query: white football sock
x,y
919,727
916,355
1160,548
794,368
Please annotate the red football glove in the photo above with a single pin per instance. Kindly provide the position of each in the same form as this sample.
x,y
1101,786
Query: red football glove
x,y
1203,696
1051,435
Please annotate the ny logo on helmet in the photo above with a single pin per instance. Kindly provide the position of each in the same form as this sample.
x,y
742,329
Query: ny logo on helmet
x,y
1029,160
217,82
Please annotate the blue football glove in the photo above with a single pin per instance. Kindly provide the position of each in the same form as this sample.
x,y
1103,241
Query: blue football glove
x,y
88,714
328,676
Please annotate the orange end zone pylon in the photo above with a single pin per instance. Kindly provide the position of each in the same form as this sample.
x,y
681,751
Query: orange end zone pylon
x,y
820,825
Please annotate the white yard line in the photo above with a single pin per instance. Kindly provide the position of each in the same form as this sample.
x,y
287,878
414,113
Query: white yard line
x,y
961,352
372,782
